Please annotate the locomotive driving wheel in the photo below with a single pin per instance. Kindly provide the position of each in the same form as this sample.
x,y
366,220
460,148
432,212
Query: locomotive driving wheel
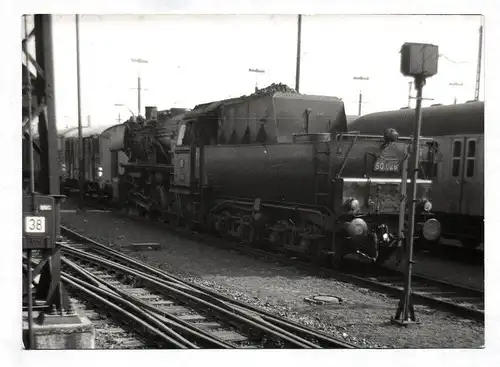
x,y
246,230
223,224
188,217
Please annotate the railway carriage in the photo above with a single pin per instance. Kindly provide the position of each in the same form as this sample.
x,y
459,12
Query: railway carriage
x,y
101,166
459,183
278,170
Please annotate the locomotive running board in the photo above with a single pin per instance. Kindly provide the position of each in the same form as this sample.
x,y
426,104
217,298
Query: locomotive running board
x,y
382,180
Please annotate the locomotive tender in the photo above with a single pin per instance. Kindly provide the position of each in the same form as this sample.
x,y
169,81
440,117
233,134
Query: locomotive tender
x,y
458,131
277,169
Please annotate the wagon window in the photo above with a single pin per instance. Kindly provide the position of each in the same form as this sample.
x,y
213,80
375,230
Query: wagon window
x,y
471,157
455,160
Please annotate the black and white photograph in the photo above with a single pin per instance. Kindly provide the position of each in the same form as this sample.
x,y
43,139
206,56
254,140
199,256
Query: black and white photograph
x,y
252,181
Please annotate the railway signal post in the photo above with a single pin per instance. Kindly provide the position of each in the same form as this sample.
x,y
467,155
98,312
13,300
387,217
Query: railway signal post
x,y
49,321
419,61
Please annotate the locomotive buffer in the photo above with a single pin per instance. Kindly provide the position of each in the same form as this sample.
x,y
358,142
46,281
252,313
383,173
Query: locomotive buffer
x,y
419,61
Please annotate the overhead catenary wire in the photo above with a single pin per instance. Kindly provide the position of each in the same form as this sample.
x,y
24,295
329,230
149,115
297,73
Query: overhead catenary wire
x,y
453,61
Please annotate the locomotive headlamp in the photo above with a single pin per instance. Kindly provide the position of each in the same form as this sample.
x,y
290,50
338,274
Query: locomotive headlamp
x,y
424,205
99,172
427,205
357,227
431,230
390,135
352,204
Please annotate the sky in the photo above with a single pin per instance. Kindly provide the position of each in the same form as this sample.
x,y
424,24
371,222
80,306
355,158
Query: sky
x,y
195,59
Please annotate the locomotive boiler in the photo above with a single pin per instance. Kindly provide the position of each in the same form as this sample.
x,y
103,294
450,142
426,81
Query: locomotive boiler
x,y
278,170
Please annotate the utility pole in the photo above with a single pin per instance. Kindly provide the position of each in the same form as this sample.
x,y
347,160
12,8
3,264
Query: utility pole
x,y
455,84
410,85
139,61
299,41
119,119
81,176
360,100
138,95
479,62
257,71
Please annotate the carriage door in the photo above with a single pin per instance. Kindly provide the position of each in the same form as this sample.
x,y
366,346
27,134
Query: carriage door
x,y
472,187
456,176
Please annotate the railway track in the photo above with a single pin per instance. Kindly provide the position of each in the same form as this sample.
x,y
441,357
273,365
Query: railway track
x,y
460,300
459,254
192,314
116,334
463,301
111,317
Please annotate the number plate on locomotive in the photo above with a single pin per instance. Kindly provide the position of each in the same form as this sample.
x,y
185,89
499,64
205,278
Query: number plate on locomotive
x,y
386,165
34,224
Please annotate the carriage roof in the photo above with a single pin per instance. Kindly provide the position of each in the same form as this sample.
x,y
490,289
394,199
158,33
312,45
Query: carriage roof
x,y
465,118
86,132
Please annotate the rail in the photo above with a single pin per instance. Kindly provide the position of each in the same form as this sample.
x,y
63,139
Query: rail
x,y
463,301
236,319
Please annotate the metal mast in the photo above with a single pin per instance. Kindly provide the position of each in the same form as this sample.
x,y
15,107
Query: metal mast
x,y
479,61
299,41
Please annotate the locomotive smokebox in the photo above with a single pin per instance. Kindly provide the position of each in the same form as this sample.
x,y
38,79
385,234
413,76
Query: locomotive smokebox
x,y
151,113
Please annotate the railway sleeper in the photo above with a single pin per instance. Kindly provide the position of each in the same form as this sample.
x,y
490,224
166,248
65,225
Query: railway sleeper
x,y
174,310
113,330
207,325
229,336
192,317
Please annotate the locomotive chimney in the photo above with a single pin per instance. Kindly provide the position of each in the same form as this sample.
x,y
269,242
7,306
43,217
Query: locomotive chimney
x,y
151,113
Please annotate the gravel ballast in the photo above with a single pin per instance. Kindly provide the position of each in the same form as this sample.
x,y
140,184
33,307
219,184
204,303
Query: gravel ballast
x,y
362,317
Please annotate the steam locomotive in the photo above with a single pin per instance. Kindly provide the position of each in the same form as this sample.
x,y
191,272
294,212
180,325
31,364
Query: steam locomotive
x,y
278,170
458,131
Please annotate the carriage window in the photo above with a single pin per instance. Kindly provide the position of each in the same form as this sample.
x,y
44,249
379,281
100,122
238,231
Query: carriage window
x,y
470,167
455,160
471,157
471,149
